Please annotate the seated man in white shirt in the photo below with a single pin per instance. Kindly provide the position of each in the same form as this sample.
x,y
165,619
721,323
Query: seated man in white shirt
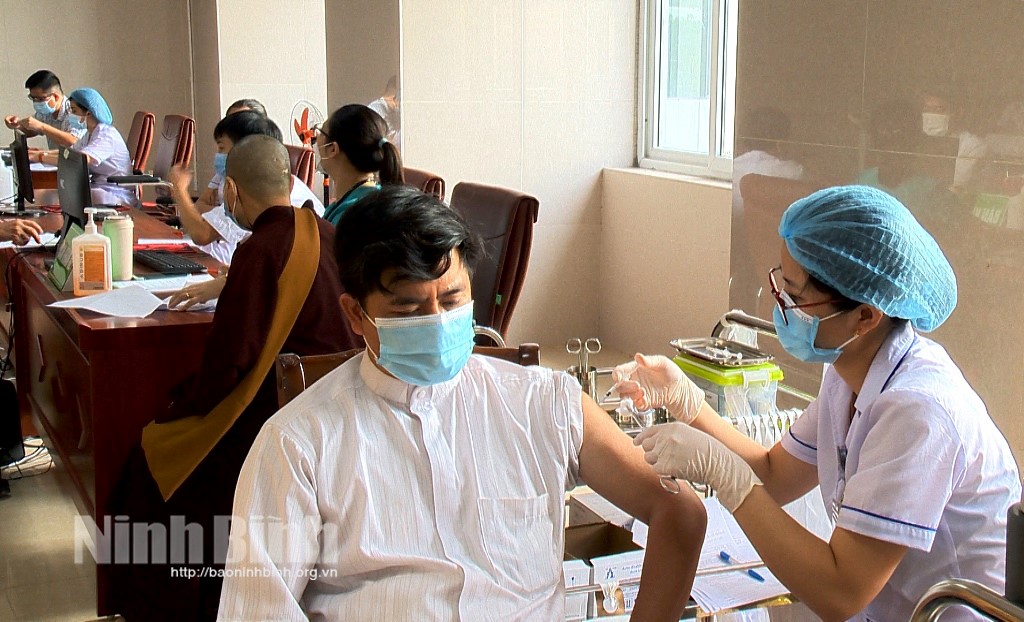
x,y
214,231
419,481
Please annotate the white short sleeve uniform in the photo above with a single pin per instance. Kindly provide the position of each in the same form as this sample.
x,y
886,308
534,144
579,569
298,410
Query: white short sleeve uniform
x,y
232,235
108,156
925,467
405,503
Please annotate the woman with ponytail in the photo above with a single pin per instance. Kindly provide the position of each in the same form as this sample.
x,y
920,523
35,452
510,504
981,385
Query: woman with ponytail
x,y
353,150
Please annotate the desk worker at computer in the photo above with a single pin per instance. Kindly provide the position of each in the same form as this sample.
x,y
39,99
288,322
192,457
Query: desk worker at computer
x,y
281,296
425,482
52,117
20,231
215,231
102,144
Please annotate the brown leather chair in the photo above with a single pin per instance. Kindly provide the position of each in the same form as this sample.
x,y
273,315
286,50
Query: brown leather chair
x,y
174,147
424,180
297,373
505,219
174,144
140,139
303,165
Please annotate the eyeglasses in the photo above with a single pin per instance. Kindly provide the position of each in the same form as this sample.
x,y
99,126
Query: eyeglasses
x,y
785,302
43,98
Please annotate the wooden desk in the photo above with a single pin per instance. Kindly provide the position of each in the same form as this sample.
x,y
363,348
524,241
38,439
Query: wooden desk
x,y
44,180
93,382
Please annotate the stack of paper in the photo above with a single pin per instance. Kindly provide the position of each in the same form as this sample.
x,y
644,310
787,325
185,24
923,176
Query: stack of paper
x,y
716,587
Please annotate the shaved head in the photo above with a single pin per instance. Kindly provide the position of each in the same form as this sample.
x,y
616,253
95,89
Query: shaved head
x,y
260,167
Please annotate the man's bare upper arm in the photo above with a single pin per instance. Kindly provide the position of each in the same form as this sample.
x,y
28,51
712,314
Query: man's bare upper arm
x,y
615,468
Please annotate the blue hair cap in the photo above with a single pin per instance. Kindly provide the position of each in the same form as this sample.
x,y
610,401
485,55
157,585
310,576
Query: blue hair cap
x,y
867,246
91,100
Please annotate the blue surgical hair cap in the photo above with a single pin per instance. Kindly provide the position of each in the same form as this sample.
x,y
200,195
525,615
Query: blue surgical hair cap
x,y
867,246
91,100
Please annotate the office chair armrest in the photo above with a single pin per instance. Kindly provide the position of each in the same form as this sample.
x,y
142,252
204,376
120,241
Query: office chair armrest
x,y
137,180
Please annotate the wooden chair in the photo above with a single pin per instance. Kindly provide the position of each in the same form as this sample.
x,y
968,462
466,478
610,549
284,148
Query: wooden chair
x,y
140,139
424,180
504,218
296,373
303,165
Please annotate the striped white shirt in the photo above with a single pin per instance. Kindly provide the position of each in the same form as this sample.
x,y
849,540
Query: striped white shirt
x,y
408,503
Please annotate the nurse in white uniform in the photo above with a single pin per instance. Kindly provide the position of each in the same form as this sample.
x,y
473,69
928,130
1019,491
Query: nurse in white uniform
x,y
917,477
103,145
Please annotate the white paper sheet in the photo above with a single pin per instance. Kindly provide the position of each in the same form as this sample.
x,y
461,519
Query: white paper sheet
x,y
44,239
723,534
163,285
728,590
125,302
724,589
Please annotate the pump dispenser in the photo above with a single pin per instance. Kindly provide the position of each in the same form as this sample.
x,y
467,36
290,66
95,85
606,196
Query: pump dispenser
x,y
91,270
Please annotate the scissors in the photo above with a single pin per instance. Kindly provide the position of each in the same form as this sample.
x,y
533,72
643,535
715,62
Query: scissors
x,y
669,483
584,349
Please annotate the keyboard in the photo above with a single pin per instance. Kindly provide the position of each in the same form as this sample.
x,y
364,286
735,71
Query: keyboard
x,y
166,262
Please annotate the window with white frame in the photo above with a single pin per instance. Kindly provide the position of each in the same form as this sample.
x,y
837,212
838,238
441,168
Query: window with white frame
x,y
687,86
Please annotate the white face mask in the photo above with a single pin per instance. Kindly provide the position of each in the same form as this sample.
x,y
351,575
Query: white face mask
x,y
935,124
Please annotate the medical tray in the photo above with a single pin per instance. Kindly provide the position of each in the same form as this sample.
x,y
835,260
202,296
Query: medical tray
x,y
721,352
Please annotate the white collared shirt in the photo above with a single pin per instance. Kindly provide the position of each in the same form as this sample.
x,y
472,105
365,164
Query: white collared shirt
x,y
59,120
409,503
231,235
925,468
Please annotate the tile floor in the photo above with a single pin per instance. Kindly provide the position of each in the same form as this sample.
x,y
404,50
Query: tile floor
x,y
39,579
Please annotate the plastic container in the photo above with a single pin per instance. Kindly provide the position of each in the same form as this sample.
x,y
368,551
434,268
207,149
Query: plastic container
x,y
90,256
734,391
119,229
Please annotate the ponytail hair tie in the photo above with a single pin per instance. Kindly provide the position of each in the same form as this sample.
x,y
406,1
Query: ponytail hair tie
x,y
380,143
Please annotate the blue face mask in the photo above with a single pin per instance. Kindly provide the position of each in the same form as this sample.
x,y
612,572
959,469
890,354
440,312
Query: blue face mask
x,y
798,336
426,349
43,107
76,122
220,163
230,213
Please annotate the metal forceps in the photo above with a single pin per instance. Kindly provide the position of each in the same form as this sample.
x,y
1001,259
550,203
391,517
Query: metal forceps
x,y
583,348
669,483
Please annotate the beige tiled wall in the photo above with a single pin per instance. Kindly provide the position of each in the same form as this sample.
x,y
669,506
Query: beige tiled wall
x,y
135,54
536,95
363,49
272,51
665,259
831,67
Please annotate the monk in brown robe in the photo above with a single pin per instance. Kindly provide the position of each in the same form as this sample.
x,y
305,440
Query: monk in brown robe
x,y
256,193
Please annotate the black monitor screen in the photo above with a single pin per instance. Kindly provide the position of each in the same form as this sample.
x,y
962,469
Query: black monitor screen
x,y
23,192
73,186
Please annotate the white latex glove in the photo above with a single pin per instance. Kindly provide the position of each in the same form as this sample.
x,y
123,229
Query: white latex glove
x,y
677,450
653,381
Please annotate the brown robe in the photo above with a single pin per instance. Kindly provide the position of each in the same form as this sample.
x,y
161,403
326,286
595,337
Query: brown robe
x,y
240,326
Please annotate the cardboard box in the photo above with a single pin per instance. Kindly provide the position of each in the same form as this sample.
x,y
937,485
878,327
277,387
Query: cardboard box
x,y
589,508
610,554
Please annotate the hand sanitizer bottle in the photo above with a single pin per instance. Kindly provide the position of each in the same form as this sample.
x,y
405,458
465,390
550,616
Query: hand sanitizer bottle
x,y
91,271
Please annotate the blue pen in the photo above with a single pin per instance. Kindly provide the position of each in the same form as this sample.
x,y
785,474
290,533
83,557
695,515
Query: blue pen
x,y
725,557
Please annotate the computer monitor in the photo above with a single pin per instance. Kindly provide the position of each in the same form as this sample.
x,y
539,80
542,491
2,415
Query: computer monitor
x,y
73,187
23,191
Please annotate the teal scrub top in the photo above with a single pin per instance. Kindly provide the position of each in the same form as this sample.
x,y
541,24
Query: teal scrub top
x,y
335,210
